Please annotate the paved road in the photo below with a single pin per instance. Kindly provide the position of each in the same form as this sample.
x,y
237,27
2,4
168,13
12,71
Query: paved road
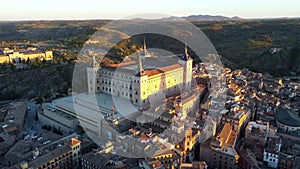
x,y
30,125
29,121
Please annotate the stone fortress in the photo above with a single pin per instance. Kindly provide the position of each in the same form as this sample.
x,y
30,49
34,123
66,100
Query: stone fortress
x,y
141,80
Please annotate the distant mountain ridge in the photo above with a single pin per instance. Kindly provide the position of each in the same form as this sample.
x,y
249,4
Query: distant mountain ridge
x,y
210,17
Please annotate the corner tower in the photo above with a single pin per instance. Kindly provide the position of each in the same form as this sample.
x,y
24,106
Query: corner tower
x,y
187,62
140,81
92,76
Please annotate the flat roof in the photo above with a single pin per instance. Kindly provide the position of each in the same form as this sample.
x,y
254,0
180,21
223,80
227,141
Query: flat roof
x,y
99,102
105,102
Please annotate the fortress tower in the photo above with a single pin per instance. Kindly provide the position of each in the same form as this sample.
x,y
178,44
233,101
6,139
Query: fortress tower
x,y
92,76
141,83
187,62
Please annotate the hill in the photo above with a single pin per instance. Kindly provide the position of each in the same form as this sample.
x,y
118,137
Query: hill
x,y
210,18
261,45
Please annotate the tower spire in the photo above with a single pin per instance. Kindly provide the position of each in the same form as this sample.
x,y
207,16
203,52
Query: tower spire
x,y
185,50
145,47
141,70
144,52
185,56
94,63
142,55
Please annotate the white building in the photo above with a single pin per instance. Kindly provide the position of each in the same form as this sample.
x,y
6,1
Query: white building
x,y
271,152
134,81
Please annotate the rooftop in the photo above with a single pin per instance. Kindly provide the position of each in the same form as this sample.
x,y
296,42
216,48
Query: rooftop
x,y
43,159
287,117
163,69
225,140
99,160
154,163
273,145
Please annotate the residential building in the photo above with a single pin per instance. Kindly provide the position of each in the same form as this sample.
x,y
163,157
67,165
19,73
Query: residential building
x,y
63,153
194,165
152,164
258,132
219,151
271,152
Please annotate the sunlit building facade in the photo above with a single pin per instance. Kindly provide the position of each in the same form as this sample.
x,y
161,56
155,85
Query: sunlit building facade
x,y
134,81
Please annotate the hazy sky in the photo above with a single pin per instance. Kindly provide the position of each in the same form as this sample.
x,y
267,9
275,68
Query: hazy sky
x,y
113,9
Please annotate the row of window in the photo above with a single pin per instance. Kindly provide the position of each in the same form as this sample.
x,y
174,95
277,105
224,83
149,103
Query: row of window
x,y
116,75
88,165
114,92
77,147
271,155
61,161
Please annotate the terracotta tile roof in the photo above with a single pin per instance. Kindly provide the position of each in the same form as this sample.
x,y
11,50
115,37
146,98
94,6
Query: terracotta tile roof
x,y
162,70
144,137
33,52
227,136
225,133
75,141
153,72
171,67
122,64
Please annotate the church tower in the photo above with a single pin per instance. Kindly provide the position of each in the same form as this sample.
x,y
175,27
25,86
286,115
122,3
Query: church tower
x,y
93,77
187,62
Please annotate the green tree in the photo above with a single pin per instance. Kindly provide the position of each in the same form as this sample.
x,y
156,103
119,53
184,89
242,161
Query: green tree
x,y
37,61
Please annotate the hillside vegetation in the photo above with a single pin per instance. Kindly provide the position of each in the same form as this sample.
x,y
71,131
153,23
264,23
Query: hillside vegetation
x,y
261,45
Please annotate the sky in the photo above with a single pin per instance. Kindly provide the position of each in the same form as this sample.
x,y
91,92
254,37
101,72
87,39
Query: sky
x,y
117,9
